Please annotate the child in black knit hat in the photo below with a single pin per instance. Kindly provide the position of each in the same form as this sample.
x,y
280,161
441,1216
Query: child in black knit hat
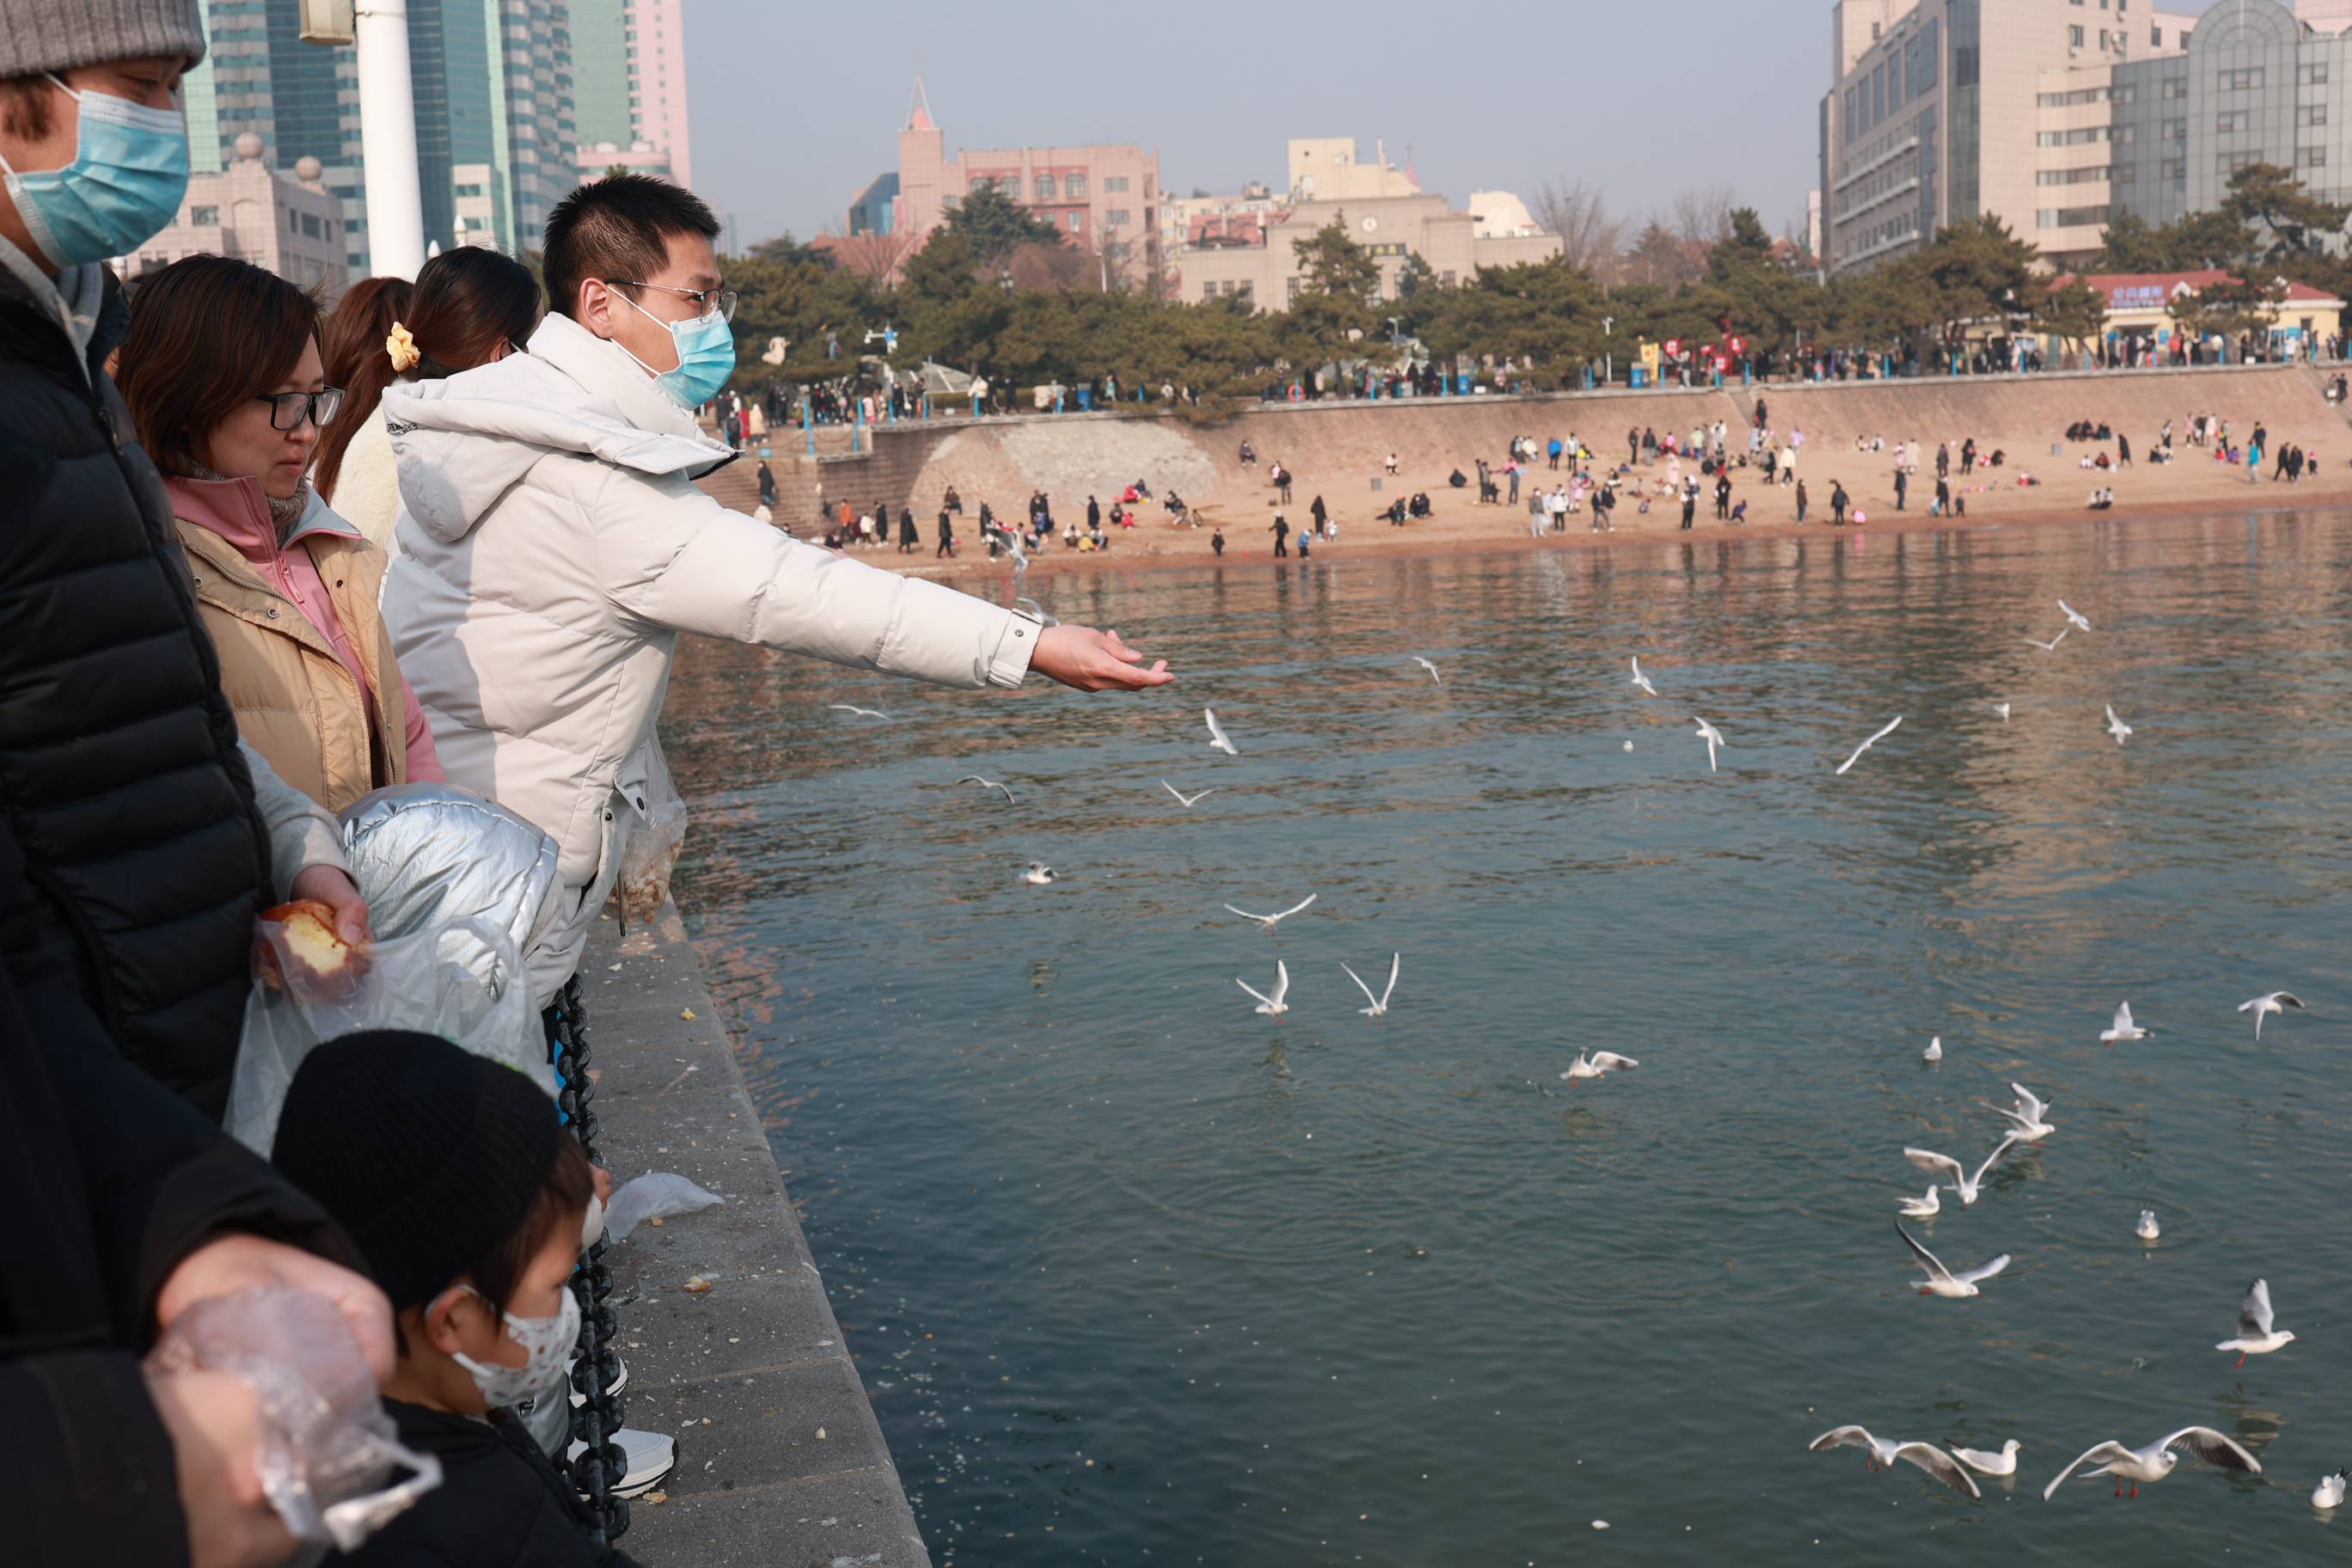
x,y
470,1204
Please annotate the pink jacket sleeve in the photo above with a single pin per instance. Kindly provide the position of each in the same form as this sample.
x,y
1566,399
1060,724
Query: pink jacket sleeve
x,y
423,762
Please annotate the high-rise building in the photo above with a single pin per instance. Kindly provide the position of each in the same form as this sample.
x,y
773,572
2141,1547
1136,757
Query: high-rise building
x,y
629,85
291,223
2056,115
493,80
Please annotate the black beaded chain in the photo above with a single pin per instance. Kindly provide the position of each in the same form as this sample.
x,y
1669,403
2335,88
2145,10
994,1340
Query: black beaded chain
x,y
598,1471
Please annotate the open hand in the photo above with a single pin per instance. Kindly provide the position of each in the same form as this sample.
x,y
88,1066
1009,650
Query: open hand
x,y
1090,660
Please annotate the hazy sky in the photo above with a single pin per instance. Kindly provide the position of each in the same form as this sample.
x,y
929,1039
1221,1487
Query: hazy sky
x,y
796,106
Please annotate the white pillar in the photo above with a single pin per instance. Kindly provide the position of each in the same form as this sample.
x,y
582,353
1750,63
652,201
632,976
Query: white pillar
x,y
395,204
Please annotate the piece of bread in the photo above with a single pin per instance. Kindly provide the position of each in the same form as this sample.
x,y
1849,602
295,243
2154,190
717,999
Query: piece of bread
x,y
319,961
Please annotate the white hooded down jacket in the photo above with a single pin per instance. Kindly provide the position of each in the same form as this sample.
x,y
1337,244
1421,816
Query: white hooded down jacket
x,y
552,546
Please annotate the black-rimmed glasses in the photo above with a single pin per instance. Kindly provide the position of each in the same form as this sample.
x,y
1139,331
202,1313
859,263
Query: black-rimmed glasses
x,y
707,300
289,409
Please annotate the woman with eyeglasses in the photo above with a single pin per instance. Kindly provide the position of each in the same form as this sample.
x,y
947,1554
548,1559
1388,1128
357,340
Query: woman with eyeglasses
x,y
222,373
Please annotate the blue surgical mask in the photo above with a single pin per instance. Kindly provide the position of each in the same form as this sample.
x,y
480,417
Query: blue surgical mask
x,y
706,358
129,175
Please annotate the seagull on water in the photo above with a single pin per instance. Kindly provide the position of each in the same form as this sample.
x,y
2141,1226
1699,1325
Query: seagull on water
x,y
2116,727
2147,1229
2051,646
2329,1492
1039,874
2154,1462
1217,741
1643,681
1429,666
2122,1030
1380,1004
2075,617
2002,1464
1962,1182
988,783
2002,709
1923,1208
1600,1065
1273,1006
2030,1122
2276,1002
1935,1051
1187,801
1883,1455
1942,1281
1867,744
2255,1335
861,712
1270,922
1712,737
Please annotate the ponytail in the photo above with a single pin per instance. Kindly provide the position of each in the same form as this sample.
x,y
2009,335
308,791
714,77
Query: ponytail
x,y
352,350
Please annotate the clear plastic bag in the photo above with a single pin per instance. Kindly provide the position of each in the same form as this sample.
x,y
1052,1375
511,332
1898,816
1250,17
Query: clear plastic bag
x,y
665,1193
461,981
653,831
326,1446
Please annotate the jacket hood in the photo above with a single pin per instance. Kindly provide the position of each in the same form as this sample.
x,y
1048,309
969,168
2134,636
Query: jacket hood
x,y
462,443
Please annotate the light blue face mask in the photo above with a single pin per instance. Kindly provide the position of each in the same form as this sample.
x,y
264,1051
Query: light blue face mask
x,y
706,358
129,175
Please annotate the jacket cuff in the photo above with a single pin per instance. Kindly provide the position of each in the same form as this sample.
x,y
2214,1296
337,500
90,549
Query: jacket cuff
x,y
89,1465
1015,649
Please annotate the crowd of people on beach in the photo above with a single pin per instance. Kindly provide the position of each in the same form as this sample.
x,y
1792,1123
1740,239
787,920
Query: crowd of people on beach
x,y
333,634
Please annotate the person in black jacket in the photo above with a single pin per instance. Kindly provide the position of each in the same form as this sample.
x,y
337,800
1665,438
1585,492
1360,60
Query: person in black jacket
x,y
152,838
471,1207
144,1208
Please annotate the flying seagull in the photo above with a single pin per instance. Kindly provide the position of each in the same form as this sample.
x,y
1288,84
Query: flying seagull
x,y
861,712
1272,1005
1883,1455
1187,801
2051,646
1270,922
1712,737
2147,1229
2002,1464
1600,1065
2002,709
2154,1462
1923,1208
1217,741
1942,1281
1039,874
1642,681
2030,1122
1380,1004
2075,617
1962,1182
2116,727
988,783
2124,1029
1867,744
1429,666
2255,1335
2276,1002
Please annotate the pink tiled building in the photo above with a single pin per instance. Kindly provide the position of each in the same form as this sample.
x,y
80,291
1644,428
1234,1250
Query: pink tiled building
x,y
1102,194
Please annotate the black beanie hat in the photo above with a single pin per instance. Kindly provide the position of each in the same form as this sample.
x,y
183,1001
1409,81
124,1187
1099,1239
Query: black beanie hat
x,y
428,1157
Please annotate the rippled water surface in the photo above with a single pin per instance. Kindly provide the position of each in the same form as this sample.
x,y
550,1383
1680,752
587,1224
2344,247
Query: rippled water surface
x,y
1135,1273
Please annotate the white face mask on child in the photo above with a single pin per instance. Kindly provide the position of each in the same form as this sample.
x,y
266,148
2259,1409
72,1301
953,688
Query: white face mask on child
x,y
549,1344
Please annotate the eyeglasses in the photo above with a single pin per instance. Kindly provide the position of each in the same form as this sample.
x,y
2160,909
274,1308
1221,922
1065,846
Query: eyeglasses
x,y
720,303
289,409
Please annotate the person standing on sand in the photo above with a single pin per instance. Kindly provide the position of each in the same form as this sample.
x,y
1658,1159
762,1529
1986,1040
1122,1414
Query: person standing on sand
x,y
1943,460
1391,465
1902,487
1306,540
1801,500
1690,503
1968,458
1281,531
1943,504
1837,504
1316,510
1217,541
1723,495
946,533
2123,450
1282,480
910,539
1511,469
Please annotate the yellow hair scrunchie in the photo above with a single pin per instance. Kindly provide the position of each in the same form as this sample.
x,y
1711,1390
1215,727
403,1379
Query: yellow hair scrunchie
x,y
402,347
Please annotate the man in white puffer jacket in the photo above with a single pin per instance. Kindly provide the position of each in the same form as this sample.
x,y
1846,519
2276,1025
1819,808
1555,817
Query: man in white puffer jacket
x,y
553,546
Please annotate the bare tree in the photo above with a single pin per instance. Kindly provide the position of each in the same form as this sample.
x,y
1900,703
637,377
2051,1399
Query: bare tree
x,y
1591,237
1704,215
877,257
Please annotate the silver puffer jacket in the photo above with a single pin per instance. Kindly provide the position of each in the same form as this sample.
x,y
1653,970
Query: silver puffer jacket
x,y
425,854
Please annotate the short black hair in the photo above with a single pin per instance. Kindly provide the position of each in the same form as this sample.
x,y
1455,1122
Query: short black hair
x,y
616,227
